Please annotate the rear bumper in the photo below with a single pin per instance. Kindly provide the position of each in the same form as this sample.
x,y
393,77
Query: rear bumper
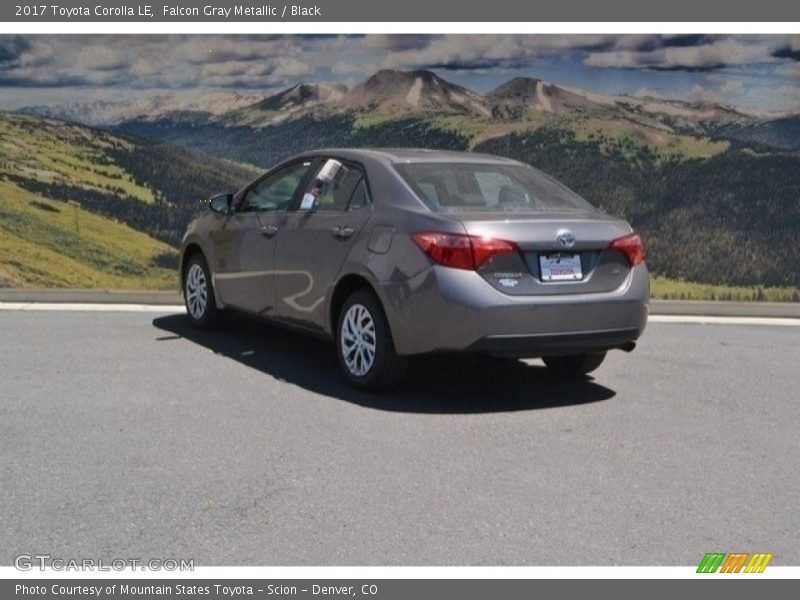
x,y
445,309
555,344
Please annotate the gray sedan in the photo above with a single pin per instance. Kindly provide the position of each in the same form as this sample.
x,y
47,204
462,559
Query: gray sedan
x,y
392,253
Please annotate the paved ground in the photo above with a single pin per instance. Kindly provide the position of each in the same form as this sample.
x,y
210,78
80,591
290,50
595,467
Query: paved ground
x,y
130,435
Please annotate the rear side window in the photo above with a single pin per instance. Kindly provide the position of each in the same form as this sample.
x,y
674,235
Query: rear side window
x,y
487,187
336,187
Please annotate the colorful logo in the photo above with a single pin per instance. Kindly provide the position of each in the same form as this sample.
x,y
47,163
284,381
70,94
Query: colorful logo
x,y
734,562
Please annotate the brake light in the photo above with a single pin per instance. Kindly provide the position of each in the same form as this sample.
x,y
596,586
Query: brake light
x,y
461,251
631,246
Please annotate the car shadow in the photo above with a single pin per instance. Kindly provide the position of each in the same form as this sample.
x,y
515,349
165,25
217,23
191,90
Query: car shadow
x,y
442,383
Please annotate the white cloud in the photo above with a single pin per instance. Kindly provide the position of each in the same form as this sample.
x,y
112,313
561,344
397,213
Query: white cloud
x,y
711,54
754,97
784,98
346,68
648,93
703,95
476,51
159,61
790,70
732,87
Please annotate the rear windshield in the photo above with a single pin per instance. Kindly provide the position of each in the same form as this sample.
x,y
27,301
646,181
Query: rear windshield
x,y
477,187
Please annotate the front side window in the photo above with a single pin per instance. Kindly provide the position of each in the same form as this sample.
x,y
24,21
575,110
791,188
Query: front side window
x,y
487,187
276,191
333,187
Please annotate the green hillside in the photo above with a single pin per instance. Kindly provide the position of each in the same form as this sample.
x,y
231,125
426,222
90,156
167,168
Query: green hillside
x,y
83,208
54,152
44,243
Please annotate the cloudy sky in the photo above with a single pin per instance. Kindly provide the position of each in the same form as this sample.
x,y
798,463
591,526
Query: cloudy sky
x,y
757,73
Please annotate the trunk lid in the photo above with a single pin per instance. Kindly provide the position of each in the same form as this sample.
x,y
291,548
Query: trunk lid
x,y
560,252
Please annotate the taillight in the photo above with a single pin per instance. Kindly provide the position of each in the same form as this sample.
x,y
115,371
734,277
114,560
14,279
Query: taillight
x,y
461,251
631,246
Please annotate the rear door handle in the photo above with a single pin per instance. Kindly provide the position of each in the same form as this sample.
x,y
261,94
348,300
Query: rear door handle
x,y
269,230
343,232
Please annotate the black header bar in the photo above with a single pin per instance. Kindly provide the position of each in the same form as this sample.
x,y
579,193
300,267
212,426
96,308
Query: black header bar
x,y
419,11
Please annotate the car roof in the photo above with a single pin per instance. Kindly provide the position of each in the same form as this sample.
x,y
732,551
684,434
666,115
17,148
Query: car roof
x,y
408,155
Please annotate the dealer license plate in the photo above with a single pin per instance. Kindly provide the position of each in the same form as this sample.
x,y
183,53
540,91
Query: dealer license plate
x,y
560,267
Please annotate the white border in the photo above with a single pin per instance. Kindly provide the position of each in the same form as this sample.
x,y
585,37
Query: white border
x,y
69,27
377,573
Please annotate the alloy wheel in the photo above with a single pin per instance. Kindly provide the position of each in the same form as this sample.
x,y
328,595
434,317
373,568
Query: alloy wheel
x,y
358,340
196,291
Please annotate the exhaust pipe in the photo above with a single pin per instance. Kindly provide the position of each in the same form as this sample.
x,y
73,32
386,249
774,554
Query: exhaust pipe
x,y
628,346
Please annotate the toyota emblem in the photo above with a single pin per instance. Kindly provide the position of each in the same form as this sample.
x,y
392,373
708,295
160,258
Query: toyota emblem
x,y
565,239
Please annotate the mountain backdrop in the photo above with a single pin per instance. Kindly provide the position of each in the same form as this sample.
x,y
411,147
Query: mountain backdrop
x,y
714,190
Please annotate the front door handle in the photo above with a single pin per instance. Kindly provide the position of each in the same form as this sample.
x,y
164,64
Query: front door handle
x,y
343,232
269,230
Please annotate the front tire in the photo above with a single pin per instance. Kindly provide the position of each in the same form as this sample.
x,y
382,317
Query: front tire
x,y
364,345
574,365
198,294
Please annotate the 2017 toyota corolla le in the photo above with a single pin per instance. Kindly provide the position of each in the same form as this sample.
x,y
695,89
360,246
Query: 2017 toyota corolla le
x,y
392,253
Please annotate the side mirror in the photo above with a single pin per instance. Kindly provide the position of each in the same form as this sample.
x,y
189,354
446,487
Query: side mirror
x,y
221,203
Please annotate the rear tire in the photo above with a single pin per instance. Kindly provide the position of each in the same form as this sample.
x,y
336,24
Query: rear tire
x,y
198,294
364,345
574,365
